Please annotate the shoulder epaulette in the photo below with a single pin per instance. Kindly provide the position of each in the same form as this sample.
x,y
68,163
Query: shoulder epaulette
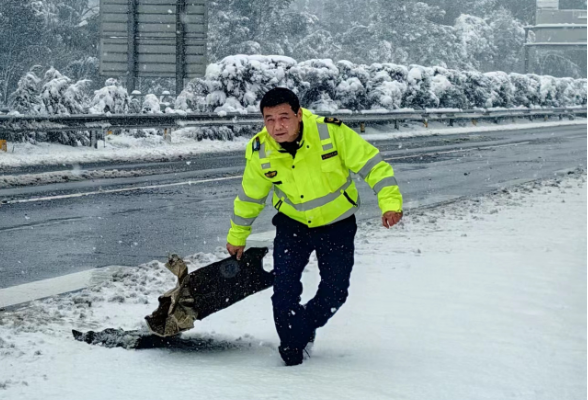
x,y
333,120
256,144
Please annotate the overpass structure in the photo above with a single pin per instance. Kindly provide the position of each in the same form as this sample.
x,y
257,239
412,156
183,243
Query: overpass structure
x,y
556,44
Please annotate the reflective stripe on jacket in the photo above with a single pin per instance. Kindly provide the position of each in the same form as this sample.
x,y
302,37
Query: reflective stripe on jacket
x,y
314,188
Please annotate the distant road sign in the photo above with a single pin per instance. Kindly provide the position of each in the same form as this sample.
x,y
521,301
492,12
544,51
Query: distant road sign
x,y
548,4
557,34
153,38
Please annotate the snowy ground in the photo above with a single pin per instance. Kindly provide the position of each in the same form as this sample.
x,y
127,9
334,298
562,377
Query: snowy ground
x,y
152,148
480,299
75,174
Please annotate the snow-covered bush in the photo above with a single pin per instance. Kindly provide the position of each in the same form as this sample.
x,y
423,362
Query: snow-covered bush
x,y
419,93
151,105
526,90
478,90
321,79
547,90
564,94
25,99
386,86
447,85
351,92
502,89
581,87
56,94
62,97
236,84
217,132
112,98
244,80
193,97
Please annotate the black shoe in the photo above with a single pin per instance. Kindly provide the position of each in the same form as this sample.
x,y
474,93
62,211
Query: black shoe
x,y
310,344
291,355
312,337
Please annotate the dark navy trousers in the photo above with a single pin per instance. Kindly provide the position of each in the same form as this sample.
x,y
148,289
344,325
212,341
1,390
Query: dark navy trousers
x,y
294,242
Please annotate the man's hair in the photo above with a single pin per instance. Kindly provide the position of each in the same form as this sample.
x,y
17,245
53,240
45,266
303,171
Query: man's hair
x,y
277,96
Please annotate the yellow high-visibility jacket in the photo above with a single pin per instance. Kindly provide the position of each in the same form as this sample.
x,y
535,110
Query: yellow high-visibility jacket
x,y
314,188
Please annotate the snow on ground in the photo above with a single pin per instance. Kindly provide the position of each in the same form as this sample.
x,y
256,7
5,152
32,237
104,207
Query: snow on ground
x,y
480,299
153,148
75,174
438,128
116,148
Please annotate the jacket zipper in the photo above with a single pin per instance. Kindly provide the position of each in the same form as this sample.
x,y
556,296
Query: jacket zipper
x,y
349,199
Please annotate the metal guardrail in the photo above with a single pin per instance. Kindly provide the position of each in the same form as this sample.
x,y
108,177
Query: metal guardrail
x,y
10,124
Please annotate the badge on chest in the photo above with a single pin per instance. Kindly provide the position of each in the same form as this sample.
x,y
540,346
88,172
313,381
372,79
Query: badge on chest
x,y
329,155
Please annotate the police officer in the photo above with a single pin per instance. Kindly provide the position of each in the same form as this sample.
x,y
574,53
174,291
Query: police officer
x,y
307,160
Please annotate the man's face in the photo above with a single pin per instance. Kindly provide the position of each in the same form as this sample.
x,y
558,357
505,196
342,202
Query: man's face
x,y
282,123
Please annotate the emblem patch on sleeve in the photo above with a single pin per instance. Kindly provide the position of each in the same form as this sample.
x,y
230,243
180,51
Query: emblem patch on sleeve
x,y
271,174
331,120
329,155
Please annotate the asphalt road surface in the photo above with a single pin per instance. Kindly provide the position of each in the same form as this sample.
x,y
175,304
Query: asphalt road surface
x,y
52,230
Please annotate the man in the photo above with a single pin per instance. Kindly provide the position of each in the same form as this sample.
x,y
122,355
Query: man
x,y
307,159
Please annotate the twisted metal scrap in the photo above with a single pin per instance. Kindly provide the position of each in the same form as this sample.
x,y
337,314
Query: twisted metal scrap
x,y
175,313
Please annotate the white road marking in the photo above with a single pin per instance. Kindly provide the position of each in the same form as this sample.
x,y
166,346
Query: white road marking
x,y
74,195
24,293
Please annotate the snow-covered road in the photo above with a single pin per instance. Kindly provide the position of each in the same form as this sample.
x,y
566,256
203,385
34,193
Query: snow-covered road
x,y
480,299
154,148
128,221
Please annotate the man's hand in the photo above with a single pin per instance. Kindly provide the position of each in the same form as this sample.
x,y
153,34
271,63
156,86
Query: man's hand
x,y
236,251
391,218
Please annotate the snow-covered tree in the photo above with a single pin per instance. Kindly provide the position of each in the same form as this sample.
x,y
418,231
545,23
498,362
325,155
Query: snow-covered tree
x,y
565,92
256,27
151,105
386,86
509,39
316,45
502,89
447,84
237,83
477,40
193,97
112,98
478,90
526,90
47,32
321,77
61,96
419,93
25,99
23,42
581,89
547,90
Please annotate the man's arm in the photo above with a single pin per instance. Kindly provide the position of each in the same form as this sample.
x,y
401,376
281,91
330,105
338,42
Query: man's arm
x,y
365,160
247,206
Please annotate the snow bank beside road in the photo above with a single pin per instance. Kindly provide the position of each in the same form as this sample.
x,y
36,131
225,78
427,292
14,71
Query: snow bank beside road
x,y
124,148
118,148
481,299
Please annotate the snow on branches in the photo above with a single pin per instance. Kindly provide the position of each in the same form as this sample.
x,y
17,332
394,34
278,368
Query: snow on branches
x,y
237,84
